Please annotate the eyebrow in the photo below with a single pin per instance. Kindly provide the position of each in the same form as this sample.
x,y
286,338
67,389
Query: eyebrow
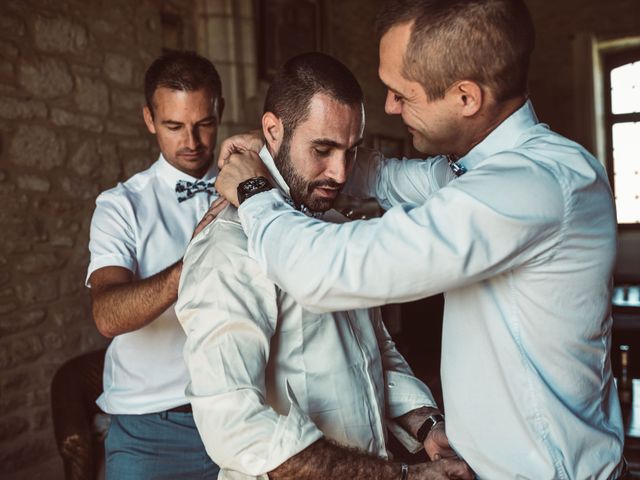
x,y
327,142
176,123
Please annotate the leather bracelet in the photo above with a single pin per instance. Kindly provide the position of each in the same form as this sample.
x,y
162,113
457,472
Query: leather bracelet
x,y
404,473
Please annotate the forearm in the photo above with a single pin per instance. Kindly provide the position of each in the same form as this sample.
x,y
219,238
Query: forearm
x,y
126,307
413,420
324,459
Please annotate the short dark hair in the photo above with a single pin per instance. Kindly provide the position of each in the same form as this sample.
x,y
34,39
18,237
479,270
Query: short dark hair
x,y
181,70
486,41
300,78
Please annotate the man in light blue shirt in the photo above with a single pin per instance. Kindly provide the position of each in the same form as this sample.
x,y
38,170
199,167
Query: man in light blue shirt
x,y
513,222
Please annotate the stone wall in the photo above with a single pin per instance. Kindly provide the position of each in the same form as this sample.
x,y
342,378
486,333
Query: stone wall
x,y
70,126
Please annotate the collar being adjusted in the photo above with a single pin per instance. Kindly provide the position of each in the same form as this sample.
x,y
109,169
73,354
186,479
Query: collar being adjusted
x,y
281,184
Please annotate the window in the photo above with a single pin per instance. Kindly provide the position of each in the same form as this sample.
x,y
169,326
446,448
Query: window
x,y
621,84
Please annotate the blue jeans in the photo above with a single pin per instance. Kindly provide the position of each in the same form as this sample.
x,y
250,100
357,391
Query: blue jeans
x,y
156,446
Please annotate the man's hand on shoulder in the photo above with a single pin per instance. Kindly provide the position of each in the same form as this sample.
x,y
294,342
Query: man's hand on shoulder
x,y
214,209
237,168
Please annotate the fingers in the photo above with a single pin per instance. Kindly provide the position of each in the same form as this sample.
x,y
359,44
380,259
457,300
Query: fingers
x,y
239,143
456,468
216,207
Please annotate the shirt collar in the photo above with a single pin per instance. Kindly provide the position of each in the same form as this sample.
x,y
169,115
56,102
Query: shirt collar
x,y
171,174
503,137
268,161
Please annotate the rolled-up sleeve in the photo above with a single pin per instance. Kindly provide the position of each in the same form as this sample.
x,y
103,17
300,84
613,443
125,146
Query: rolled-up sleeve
x,y
228,310
112,240
392,181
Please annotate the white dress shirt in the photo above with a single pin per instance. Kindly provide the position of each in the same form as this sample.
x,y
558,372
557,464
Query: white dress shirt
x,y
523,245
269,378
140,225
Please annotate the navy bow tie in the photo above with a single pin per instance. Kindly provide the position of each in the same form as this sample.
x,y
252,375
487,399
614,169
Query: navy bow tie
x,y
186,190
458,170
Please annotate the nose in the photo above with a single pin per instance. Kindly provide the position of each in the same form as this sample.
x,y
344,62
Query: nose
x,y
337,168
193,138
391,105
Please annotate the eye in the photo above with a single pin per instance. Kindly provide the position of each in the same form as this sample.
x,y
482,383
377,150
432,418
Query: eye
x,y
397,98
173,128
322,152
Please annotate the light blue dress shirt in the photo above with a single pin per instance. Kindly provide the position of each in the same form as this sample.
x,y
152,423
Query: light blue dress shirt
x,y
523,245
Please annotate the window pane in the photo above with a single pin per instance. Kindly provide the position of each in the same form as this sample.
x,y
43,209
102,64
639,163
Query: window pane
x,y
626,171
625,88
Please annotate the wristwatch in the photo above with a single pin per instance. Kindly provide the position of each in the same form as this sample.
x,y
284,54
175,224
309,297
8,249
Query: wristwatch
x,y
250,187
427,426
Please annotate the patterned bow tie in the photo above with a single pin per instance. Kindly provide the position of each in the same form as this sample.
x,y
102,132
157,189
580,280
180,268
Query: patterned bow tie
x,y
186,190
458,170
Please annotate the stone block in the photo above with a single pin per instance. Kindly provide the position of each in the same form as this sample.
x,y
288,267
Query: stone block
x,y
77,188
134,144
12,427
118,68
7,306
65,118
92,95
127,101
67,315
135,164
35,183
8,49
25,454
61,240
38,147
7,69
42,288
13,108
4,277
21,321
37,262
59,35
45,77
86,159
20,351
11,27
12,382
123,127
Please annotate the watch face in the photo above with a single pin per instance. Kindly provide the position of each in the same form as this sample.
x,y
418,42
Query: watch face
x,y
252,186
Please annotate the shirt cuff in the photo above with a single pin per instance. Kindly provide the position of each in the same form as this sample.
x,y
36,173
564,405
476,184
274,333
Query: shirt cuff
x,y
404,394
111,260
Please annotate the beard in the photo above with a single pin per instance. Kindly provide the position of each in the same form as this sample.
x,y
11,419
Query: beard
x,y
302,191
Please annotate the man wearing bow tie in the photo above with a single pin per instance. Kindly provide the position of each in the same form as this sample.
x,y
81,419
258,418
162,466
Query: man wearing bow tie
x,y
139,232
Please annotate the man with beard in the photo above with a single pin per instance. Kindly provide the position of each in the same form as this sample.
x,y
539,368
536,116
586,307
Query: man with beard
x,y
277,390
513,222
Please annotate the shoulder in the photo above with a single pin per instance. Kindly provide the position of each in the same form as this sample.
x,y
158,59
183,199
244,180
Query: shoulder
x,y
132,190
222,242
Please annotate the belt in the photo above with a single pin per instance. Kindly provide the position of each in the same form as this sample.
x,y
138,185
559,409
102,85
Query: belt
x,y
181,409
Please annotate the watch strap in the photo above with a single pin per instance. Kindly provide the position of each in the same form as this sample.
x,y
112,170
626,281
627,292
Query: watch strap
x,y
427,426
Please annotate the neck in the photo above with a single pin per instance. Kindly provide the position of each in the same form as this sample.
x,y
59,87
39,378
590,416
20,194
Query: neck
x,y
489,119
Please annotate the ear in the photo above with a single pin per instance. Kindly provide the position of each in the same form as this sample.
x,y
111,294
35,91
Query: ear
x,y
273,131
148,119
469,96
220,108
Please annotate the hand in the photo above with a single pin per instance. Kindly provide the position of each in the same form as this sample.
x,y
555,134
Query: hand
x,y
441,469
237,168
240,143
216,207
437,444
